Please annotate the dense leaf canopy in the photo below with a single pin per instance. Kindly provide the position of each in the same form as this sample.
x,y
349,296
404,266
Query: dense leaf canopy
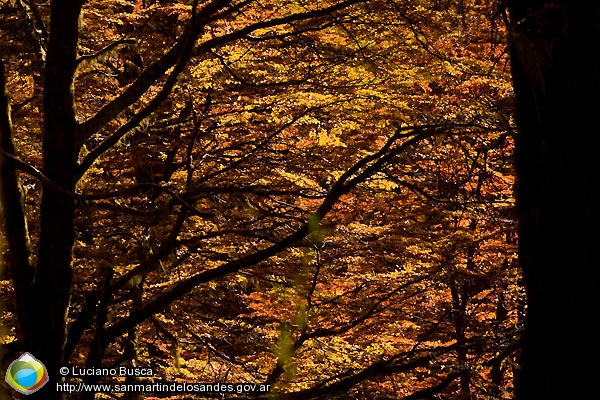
x,y
313,195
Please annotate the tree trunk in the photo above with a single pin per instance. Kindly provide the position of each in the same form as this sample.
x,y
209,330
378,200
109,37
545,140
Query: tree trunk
x,y
557,80
47,300
459,310
11,208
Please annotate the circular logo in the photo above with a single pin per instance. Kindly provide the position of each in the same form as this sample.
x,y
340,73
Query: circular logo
x,y
26,374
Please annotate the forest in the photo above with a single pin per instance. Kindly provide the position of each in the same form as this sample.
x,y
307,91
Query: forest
x,y
266,199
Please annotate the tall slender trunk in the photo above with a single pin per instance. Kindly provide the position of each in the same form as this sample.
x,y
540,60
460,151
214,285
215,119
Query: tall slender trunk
x,y
12,211
556,76
47,303
137,293
459,309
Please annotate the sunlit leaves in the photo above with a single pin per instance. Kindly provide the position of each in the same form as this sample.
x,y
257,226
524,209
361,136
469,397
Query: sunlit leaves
x,y
255,134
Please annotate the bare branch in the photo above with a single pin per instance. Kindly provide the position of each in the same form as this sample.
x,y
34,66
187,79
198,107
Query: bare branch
x,y
342,186
39,31
178,54
107,49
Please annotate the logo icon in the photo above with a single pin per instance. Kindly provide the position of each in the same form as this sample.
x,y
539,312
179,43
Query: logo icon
x,y
26,374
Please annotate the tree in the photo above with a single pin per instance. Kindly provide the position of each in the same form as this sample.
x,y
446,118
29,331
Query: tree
x,y
263,191
556,81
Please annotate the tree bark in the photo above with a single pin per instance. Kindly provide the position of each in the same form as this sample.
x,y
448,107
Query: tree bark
x,y
47,301
11,208
557,84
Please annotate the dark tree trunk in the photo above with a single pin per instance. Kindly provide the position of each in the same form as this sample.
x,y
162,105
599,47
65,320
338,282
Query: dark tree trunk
x,y
459,310
47,299
12,211
557,83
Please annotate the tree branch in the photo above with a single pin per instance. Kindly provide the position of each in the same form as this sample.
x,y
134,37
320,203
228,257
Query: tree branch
x,y
38,28
107,49
342,186
178,54
401,362
244,32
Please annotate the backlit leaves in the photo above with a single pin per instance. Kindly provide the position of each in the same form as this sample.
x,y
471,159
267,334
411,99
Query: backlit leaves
x,y
378,137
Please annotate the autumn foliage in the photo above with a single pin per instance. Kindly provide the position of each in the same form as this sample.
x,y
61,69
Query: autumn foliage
x,y
314,195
